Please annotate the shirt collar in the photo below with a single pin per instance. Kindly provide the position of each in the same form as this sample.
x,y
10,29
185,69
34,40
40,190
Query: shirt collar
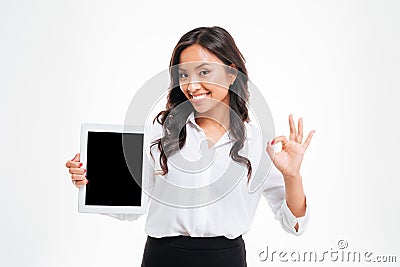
x,y
192,120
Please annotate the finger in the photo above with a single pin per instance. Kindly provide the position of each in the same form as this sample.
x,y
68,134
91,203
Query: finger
x,y
293,133
80,183
76,158
299,136
281,139
78,177
73,164
80,171
270,150
308,140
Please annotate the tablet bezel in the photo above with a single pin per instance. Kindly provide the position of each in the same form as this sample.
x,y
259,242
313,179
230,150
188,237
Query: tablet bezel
x,y
113,128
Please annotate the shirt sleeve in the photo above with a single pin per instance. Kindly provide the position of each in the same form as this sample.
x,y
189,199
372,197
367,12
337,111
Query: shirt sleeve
x,y
274,192
123,217
154,131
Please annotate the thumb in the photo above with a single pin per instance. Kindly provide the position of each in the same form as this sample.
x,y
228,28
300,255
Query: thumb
x,y
77,157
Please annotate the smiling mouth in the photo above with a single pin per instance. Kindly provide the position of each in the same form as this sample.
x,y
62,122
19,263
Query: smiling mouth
x,y
199,96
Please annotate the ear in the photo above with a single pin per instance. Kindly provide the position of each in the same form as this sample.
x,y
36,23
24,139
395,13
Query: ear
x,y
232,73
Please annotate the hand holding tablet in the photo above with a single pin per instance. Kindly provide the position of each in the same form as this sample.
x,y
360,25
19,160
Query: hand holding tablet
x,y
78,173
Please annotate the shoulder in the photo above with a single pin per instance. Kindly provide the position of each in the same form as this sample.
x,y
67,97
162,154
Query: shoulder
x,y
253,145
253,132
153,130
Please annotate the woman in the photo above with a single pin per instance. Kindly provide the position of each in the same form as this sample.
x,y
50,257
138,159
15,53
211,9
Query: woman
x,y
207,101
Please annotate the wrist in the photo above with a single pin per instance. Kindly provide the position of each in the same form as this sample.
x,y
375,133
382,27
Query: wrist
x,y
296,177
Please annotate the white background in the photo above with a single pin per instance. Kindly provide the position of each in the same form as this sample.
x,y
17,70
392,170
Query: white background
x,y
62,63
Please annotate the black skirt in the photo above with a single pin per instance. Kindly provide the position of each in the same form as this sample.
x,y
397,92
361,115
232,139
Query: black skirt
x,y
176,251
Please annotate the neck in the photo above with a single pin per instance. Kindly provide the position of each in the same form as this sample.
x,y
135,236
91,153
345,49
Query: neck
x,y
218,118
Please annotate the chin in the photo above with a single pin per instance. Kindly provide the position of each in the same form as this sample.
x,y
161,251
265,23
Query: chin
x,y
201,109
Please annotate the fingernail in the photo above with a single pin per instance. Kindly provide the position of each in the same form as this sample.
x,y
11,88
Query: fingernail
x,y
272,142
87,181
80,164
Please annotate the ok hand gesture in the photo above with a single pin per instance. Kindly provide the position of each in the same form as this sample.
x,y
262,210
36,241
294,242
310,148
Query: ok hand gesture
x,y
289,159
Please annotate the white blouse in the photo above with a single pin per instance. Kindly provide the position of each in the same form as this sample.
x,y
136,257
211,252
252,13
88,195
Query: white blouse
x,y
231,212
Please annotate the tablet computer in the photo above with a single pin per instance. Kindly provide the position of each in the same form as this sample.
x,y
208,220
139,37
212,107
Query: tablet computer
x,y
115,161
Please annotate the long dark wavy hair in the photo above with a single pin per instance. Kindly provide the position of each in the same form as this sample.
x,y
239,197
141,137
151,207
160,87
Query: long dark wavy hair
x,y
220,43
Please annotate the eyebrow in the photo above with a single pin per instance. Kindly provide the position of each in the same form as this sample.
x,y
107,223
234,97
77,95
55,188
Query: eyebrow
x,y
198,67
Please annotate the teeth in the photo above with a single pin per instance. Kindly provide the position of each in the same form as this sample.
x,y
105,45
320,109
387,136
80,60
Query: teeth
x,y
199,96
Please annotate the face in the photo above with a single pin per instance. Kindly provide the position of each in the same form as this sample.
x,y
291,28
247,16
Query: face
x,y
204,79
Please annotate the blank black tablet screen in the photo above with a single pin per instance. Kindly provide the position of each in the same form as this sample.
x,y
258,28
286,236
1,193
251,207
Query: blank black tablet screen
x,y
110,180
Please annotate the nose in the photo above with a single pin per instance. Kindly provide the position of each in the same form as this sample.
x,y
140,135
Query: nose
x,y
193,86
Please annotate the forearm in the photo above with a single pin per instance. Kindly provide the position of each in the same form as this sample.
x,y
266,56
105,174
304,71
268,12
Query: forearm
x,y
295,197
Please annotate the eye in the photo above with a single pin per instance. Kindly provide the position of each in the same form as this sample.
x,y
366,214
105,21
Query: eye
x,y
182,75
204,72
